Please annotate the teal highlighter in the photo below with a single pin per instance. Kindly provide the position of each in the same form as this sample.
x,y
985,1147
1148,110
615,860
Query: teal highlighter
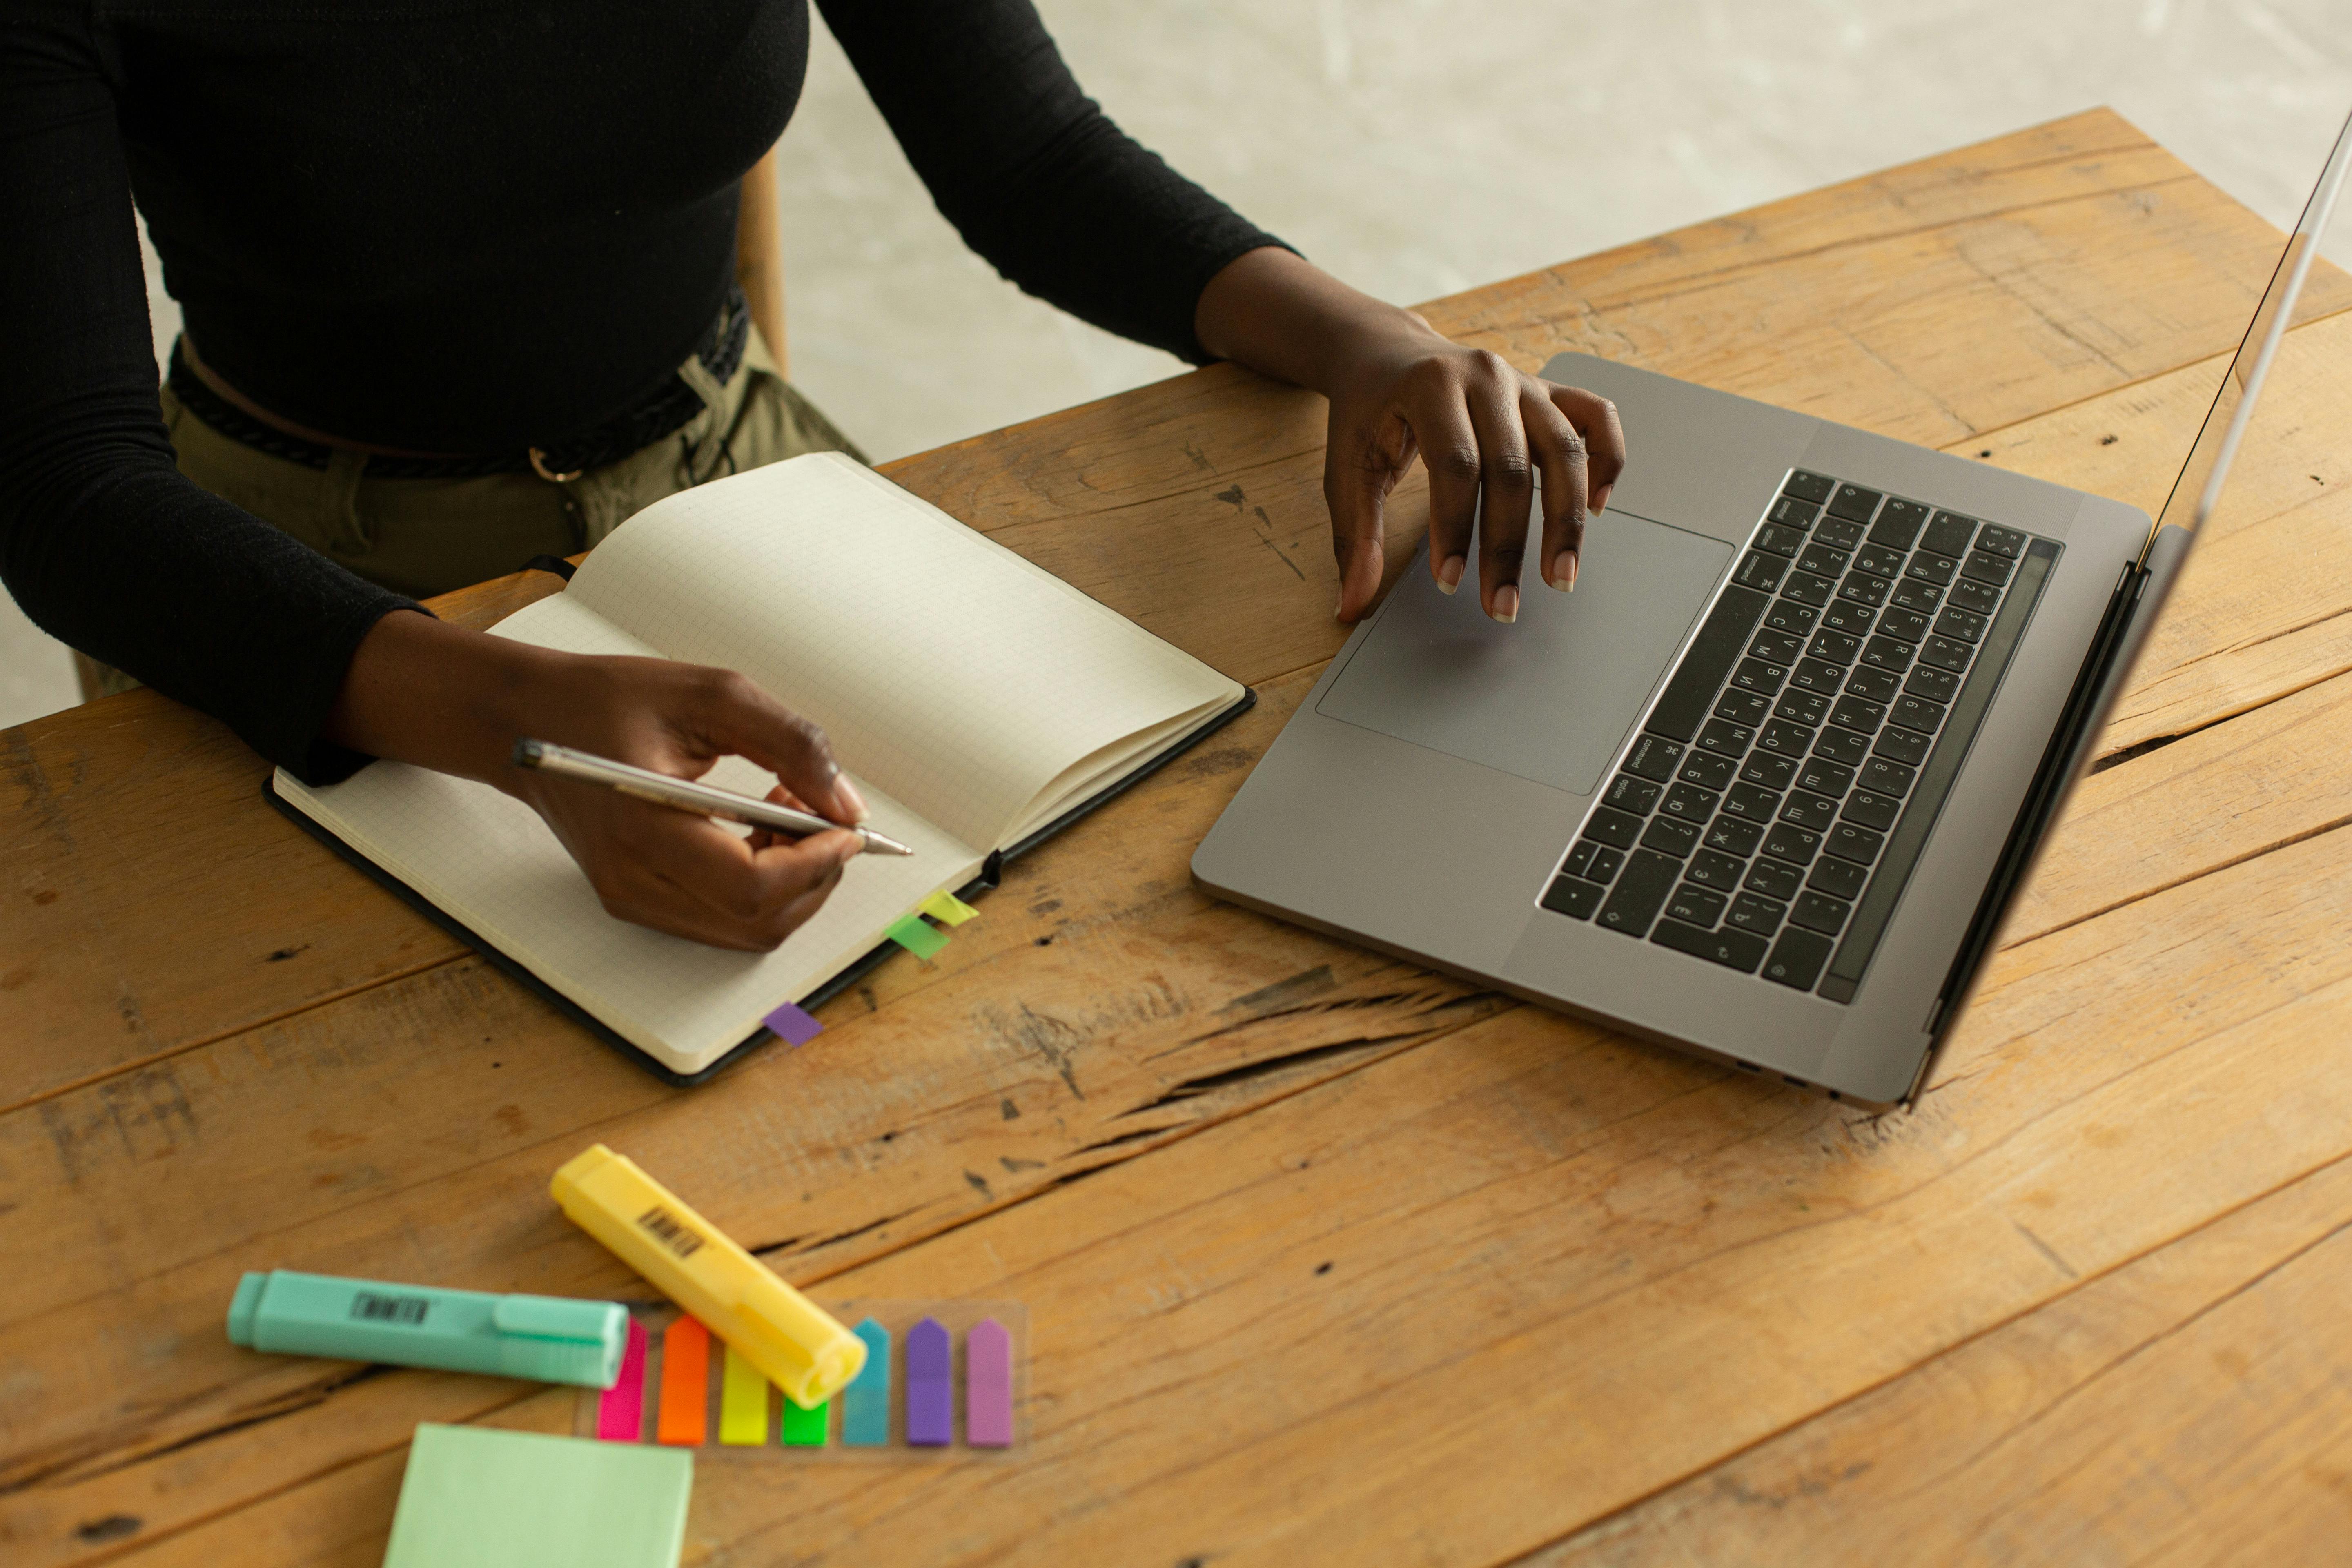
x,y
549,1338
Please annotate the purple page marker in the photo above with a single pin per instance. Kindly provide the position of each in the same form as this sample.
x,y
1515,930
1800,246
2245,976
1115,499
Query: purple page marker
x,y
930,1386
988,1386
794,1026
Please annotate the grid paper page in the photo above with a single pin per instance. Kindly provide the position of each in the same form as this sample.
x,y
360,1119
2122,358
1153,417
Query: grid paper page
x,y
953,673
488,860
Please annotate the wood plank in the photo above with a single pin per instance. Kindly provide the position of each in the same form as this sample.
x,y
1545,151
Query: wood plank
x,y
2192,1406
1194,506
1525,1274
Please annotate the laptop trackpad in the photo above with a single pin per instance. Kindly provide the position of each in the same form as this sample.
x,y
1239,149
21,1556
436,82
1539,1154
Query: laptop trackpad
x,y
1550,698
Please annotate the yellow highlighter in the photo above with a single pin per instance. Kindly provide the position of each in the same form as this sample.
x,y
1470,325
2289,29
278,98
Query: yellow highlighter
x,y
791,1340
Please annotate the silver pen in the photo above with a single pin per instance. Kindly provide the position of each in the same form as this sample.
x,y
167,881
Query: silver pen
x,y
685,794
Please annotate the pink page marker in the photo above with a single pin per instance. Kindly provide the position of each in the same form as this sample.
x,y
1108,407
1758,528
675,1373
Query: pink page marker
x,y
988,1386
621,1413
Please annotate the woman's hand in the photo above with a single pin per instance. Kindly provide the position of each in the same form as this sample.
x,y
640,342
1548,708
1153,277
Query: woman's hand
x,y
1398,390
444,697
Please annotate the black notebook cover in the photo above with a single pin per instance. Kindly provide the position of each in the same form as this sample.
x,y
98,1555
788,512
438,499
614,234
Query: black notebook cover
x,y
857,971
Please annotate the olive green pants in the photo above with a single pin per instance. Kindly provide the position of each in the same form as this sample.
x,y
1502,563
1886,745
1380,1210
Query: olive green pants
x,y
423,537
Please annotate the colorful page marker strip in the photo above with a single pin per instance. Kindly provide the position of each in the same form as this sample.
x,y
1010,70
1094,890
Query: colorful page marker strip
x,y
805,1428
685,1414
865,1403
946,909
621,1413
742,1404
988,1386
917,938
931,1384
791,1025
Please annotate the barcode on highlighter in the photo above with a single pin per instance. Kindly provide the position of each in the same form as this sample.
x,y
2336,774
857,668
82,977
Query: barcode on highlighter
x,y
671,1231
372,1307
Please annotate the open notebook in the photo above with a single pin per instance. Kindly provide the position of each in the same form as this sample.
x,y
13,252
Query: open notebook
x,y
976,700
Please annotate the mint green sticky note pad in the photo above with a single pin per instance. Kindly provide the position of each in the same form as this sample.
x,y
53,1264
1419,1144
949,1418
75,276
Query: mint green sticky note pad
x,y
478,1497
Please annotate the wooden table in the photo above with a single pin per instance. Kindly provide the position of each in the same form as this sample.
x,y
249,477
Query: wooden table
x,y
1328,1258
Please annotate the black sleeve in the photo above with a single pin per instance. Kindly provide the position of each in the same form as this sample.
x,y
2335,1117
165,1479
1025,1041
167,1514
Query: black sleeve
x,y
103,541
1031,172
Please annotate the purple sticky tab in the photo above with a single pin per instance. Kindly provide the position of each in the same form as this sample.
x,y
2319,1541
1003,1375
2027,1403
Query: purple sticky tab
x,y
791,1025
621,1413
930,1386
988,1386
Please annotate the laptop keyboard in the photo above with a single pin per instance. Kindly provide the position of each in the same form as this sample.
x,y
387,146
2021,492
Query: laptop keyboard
x,y
1783,786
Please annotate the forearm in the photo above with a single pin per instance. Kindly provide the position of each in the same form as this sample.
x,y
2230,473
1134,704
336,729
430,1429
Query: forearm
x,y
1284,317
759,254
420,690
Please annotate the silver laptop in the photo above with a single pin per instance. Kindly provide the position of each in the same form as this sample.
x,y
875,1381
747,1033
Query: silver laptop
x,y
1763,789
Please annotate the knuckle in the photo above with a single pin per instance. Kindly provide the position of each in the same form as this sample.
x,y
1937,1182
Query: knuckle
x,y
1493,364
1459,461
1511,470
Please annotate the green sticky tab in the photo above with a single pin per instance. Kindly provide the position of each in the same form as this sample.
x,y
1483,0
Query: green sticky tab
x,y
806,1429
917,938
478,1497
946,909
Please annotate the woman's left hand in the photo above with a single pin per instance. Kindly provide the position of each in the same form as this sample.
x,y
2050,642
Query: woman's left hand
x,y
1399,390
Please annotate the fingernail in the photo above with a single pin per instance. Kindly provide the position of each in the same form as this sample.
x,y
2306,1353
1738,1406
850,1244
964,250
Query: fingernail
x,y
851,798
1506,603
1449,576
1566,566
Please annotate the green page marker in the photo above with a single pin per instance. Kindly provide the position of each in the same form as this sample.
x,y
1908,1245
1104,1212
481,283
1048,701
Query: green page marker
x,y
549,1337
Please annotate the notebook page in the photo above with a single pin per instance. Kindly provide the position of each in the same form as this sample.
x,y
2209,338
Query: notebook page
x,y
487,860
953,673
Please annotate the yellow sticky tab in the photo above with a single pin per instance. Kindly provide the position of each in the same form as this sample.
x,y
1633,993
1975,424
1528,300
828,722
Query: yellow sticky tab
x,y
742,1404
793,1343
946,909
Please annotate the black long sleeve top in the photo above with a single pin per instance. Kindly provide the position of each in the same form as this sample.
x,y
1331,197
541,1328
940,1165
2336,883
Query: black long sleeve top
x,y
453,228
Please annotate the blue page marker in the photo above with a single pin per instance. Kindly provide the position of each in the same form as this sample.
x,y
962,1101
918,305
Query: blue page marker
x,y
865,1403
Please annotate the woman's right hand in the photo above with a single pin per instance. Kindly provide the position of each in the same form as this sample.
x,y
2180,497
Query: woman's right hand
x,y
441,697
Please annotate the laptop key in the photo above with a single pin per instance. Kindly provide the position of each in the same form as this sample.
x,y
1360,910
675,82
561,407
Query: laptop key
x,y
1887,653
1842,746
1824,777
1695,906
2005,542
1806,707
1854,714
1580,858
1811,487
1787,841
1653,758
1887,777
1822,560
1872,810
1761,570
1627,793
1743,708
1845,615
1729,835
1788,740
1911,713
1797,958
1930,568
1612,828
1688,803
1944,653
1794,511
1639,894
1753,912
1724,737
1708,771
1854,501
1714,868
1981,598
1768,770
1935,685
1847,841
1982,567
1732,949
1838,878
1808,810
1878,561
1756,805
1576,900
1606,863
1955,622
1863,589
1758,675
1899,524
1781,541
1788,616
1914,594
1683,706
1775,880
1818,911
1775,647
1817,675
1904,626
1949,534
1807,589
1668,836
1835,646
1838,532
1903,745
